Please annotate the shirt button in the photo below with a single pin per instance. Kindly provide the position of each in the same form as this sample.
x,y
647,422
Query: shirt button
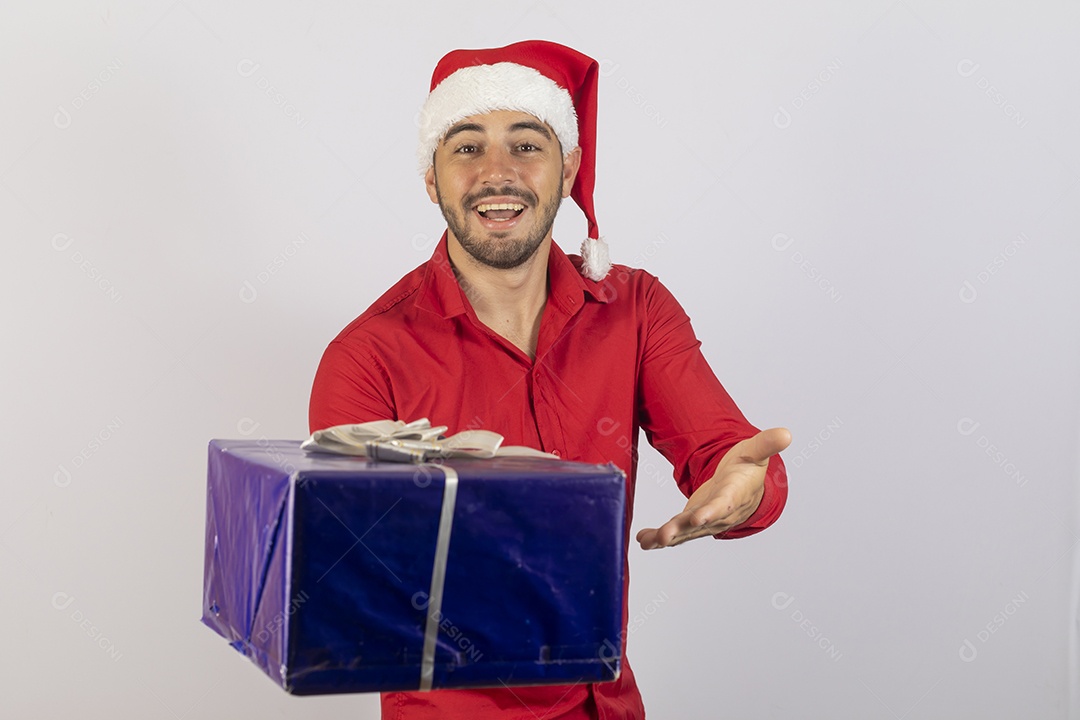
x,y
556,453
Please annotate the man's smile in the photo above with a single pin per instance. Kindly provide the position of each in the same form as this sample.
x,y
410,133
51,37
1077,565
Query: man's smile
x,y
499,211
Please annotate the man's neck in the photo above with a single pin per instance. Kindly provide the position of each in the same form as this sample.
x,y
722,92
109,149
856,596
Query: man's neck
x,y
510,302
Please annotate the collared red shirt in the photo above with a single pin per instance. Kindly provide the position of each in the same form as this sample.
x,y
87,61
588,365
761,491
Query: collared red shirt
x,y
612,357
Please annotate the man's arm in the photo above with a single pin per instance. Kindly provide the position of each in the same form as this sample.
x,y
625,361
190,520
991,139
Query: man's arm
x,y
349,387
732,474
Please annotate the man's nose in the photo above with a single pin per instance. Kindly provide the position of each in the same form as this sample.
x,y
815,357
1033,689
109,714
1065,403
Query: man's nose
x,y
499,166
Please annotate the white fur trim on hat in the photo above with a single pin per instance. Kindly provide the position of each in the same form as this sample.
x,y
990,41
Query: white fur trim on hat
x,y
503,86
595,257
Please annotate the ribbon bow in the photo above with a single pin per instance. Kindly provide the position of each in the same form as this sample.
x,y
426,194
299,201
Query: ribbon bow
x,y
417,441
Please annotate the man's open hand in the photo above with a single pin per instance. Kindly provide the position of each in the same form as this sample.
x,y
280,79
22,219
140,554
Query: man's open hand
x,y
726,499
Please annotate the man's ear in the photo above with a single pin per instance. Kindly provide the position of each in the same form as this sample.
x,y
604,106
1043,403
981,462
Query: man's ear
x,y
429,182
571,163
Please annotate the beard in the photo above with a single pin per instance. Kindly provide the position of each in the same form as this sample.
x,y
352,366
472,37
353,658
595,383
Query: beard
x,y
496,249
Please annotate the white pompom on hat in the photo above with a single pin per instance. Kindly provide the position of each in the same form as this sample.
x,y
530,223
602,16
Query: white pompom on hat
x,y
551,82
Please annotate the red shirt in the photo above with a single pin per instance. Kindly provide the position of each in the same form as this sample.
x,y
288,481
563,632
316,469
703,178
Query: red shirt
x,y
612,357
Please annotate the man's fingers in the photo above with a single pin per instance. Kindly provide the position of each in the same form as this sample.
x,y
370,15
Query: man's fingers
x,y
647,539
651,539
662,536
687,525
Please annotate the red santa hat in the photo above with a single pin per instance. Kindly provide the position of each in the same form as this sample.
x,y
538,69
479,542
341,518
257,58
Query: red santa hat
x,y
551,82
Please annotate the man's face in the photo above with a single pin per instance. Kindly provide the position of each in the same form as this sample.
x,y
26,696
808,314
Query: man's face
x,y
499,178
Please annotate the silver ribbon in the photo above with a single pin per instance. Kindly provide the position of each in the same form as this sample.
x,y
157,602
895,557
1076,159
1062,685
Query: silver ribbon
x,y
438,577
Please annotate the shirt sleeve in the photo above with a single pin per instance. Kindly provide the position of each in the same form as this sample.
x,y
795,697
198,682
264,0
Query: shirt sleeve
x,y
686,413
349,387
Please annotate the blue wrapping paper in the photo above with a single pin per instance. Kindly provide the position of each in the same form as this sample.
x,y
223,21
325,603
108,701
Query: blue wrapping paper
x,y
319,569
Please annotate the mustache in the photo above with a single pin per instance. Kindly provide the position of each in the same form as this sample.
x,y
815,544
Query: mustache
x,y
474,199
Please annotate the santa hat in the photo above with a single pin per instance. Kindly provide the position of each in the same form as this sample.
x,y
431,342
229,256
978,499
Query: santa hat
x,y
551,82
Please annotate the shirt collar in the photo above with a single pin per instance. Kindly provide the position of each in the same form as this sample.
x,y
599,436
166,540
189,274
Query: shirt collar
x,y
441,294
439,289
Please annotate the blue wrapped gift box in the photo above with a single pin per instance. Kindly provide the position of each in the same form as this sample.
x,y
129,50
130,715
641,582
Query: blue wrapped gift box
x,y
342,574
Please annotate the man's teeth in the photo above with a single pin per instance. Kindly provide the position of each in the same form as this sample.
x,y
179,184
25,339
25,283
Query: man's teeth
x,y
499,206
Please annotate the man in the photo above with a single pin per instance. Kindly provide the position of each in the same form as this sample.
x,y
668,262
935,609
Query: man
x,y
501,330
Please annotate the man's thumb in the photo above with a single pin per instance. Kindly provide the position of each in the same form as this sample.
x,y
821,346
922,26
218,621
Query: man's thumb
x,y
767,443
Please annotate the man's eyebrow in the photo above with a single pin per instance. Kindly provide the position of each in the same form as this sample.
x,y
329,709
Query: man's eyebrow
x,y
460,128
531,125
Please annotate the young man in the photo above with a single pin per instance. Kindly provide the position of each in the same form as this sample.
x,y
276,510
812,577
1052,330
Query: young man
x,y
502,330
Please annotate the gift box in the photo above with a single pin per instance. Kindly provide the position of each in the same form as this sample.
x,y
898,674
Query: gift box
x,y
345,574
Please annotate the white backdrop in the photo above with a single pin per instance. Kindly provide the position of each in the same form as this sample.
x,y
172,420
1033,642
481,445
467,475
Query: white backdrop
x,y
869,209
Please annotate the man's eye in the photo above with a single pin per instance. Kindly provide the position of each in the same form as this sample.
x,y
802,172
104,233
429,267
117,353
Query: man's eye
x,y
527,147
466,149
